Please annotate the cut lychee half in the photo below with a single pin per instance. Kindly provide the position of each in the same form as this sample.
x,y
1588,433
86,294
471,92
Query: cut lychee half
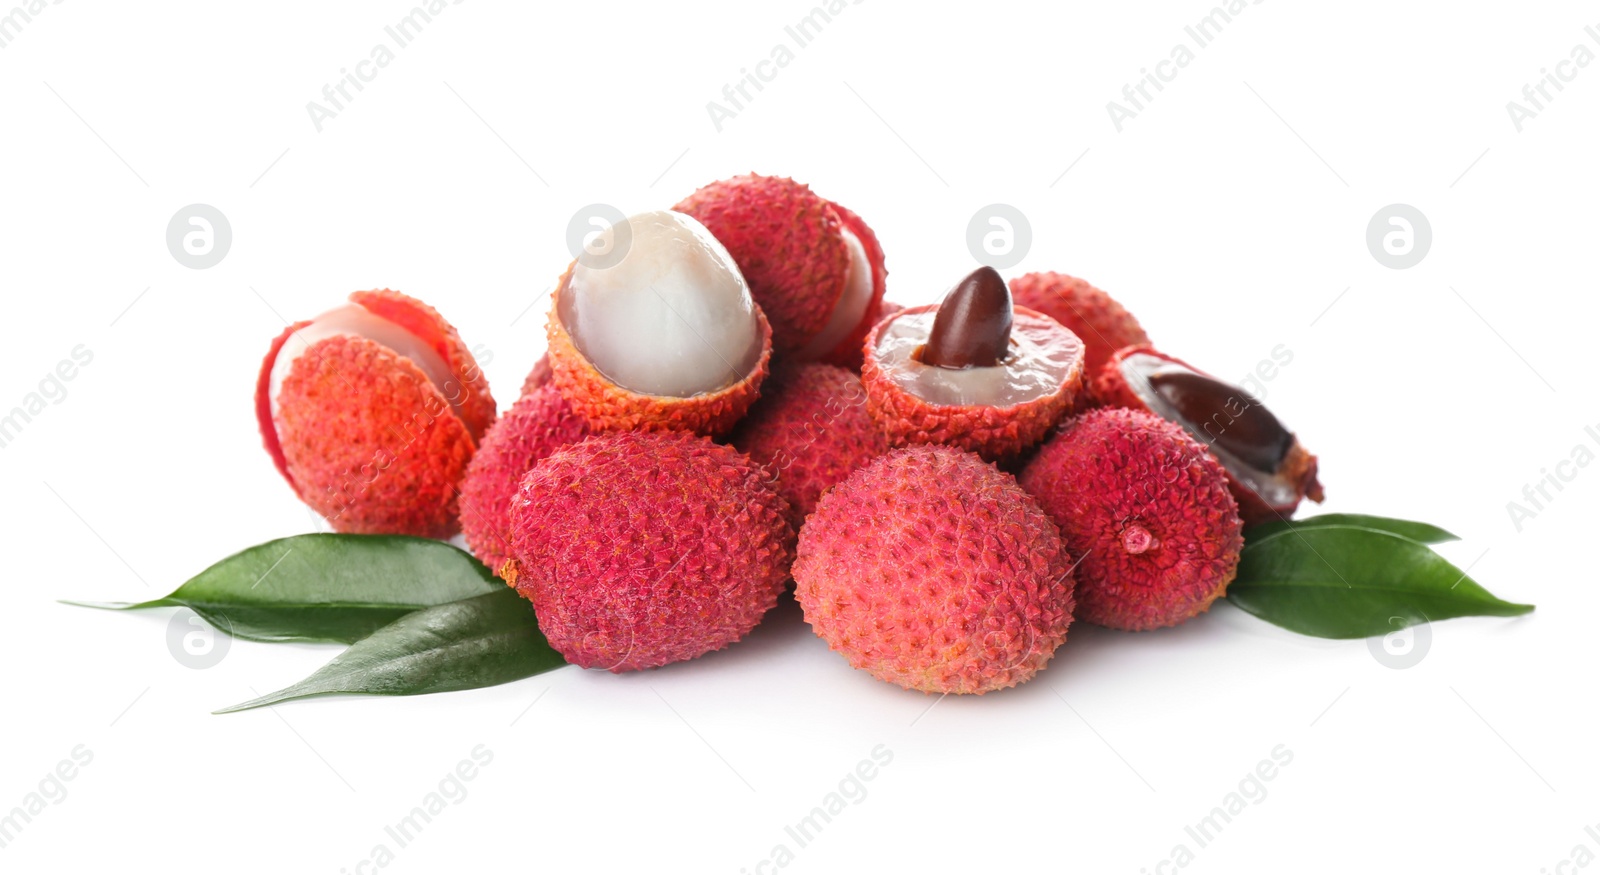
x,y
972,372
815,267
371,412
666,338
1269,472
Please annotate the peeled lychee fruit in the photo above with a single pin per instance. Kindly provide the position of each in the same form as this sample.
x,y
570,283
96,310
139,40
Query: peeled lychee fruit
x,y
810,430
814,267
536,426
1268,469
1101,322
640,549
972,372
371,411
1147,509
666,338
931,569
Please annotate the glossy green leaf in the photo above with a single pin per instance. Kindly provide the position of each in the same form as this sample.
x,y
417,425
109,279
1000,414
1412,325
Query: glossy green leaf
x,y
1420,532
1354,582
325,587
478,642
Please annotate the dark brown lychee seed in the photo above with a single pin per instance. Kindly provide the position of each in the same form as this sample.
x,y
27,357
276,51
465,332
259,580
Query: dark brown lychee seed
x,y
973,327
1253,435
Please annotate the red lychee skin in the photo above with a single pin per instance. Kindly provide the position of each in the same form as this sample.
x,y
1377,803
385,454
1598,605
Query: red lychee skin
x,y
810,430
536,426
998,434
641,549
848,353
1148,509
1111,389
609,407
538,377
785,239
1103,324
931,569
363,436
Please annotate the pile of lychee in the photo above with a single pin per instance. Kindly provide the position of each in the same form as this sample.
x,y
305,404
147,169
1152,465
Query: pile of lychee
x,y
728,403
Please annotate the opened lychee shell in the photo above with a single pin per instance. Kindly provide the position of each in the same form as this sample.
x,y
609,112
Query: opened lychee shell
x,y
994,415
933,570
815,267
374,434
1268,470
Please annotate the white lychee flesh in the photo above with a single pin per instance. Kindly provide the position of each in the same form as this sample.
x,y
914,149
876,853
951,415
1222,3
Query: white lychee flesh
x,y
852,305
1041,358
674,317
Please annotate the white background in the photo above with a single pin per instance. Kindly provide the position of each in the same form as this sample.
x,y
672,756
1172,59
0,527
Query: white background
x,y
1434,393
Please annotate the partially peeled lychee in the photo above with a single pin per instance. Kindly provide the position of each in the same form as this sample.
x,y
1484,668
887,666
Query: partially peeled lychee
x,y
973,372
1268,469
815,267
666,338
371,411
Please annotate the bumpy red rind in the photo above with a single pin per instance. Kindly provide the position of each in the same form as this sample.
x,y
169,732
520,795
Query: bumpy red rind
x,y
931,569
1104,325
1147,507
810,430
536,426
1299,467
642,549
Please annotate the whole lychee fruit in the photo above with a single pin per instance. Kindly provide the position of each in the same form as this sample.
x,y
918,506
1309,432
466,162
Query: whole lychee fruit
x,y
371,411
810,430
666,337
972,372
814,267
639,549
1147,509
1269,471
540,423
1102,323
931,569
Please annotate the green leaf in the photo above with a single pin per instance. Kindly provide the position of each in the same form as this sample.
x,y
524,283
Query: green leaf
x,y
325,587
478,642
1420,532
1350,582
